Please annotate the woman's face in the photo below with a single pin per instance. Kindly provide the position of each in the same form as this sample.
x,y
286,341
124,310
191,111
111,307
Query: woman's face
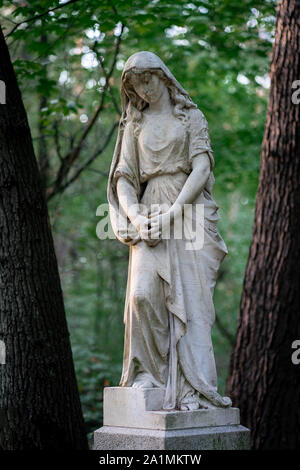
x,y
148,86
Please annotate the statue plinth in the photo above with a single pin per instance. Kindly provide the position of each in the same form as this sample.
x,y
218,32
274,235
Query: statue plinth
x,y
134,419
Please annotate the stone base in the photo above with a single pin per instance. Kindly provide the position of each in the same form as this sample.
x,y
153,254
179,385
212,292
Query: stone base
x,y
134,420
209,438
142,408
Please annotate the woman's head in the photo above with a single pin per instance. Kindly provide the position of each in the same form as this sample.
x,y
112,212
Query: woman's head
x,y
144,79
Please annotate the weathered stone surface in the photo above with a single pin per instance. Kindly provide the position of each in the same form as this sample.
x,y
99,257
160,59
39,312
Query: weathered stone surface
x,y
209,438
161,203
169,302
142,408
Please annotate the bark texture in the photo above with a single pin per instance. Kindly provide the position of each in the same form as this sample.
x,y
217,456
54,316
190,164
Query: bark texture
x,y
39,400
263,382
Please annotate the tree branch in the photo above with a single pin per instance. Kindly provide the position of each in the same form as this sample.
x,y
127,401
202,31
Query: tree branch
x,y
56,139
36,17
72,156
224,331
100,60
63,187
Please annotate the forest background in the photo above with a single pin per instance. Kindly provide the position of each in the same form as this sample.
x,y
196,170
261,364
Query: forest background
x,y
68,57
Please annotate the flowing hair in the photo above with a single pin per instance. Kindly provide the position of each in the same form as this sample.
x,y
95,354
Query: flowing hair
x,y
136,105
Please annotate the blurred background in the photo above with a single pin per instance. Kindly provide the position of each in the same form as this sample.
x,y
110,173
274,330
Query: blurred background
x,y
68,56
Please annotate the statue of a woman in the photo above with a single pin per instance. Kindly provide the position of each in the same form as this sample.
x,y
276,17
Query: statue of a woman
x,y
163,157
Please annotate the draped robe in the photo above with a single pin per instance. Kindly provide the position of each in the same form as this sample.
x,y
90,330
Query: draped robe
x,y
169,308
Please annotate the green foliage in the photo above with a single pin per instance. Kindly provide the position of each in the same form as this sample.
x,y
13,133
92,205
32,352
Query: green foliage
x,y
94,371
219,51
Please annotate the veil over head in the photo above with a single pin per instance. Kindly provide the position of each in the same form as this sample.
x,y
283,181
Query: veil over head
x,y
141,62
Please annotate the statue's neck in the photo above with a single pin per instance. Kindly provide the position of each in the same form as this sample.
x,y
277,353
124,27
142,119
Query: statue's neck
x,y
162,105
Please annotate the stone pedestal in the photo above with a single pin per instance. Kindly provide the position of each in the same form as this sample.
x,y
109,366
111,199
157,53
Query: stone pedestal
x,y
134,419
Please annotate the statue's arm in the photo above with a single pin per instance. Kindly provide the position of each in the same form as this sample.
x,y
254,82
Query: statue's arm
x,y
194,184
127,197
130,204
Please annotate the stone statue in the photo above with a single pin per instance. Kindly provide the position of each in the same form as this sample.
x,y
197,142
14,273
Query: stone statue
x,y
163,162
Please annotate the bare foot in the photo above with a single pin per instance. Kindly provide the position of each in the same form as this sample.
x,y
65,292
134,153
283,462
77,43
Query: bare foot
x,y
189,406
142,381
190,403
142,384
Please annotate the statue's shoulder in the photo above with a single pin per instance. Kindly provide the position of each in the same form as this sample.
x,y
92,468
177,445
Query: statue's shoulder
x,y
196,118
128,130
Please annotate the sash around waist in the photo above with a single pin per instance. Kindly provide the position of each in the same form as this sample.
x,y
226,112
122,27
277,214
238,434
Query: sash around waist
x,y
164,189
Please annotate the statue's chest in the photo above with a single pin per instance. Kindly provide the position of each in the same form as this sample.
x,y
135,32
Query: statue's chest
x,y
161,134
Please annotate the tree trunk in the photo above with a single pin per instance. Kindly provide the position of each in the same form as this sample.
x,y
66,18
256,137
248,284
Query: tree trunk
x,y
263,381
39,400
